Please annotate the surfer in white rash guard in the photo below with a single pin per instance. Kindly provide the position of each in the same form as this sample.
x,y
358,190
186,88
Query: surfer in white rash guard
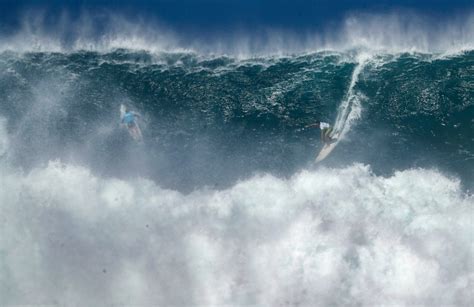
x,y
326,130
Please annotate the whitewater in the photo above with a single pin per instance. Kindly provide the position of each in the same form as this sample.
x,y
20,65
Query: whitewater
x,y
222,204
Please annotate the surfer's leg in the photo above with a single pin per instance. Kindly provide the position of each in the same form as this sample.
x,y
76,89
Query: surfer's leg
x,y
327,132
135,131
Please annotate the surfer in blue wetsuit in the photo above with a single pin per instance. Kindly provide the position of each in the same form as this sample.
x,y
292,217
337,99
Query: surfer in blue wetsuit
x,y
326,131
129,119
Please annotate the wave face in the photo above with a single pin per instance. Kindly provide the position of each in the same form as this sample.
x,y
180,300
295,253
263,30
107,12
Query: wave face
x,y
221,204
212,120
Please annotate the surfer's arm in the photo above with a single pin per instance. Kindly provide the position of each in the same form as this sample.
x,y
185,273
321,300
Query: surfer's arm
x,y
312,126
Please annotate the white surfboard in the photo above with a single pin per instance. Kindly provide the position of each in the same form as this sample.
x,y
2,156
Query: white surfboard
x,y
122,111
327,149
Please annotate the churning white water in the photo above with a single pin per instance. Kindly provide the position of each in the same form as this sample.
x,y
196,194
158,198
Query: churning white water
x,y
322,237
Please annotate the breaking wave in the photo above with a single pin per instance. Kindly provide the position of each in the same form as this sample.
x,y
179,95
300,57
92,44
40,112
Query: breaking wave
x,y
222,203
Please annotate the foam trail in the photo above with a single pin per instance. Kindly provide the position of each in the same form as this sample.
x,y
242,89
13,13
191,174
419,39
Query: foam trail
x,y
350,109
326,237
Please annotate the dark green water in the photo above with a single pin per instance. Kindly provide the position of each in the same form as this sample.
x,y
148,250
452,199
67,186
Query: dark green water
x,y
210,121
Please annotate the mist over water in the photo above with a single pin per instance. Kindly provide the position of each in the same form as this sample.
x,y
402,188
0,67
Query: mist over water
x,y
397,31
222,202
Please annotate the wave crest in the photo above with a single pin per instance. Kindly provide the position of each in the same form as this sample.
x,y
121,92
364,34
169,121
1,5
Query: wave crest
x,y
395,32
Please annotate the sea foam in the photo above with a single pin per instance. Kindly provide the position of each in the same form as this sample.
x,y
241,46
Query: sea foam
x,y
322,237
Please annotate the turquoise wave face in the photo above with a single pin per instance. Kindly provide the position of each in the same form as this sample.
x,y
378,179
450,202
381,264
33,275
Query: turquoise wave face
x,y
214,120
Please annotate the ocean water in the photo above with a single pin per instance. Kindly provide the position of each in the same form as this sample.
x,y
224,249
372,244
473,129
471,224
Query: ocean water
x,y
222,203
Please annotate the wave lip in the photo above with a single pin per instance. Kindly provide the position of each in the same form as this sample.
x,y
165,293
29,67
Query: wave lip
x,y
395,32
322,237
